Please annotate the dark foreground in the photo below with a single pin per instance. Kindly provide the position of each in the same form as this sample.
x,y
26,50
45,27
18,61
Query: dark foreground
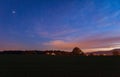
x,y
58,66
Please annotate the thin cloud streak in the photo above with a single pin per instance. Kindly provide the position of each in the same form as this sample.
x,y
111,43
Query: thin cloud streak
x,y
55,32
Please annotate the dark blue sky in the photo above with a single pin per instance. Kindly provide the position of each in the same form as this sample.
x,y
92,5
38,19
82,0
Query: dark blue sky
x,y
59,24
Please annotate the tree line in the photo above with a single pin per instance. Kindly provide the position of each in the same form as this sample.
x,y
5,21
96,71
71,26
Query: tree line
x,y
75,52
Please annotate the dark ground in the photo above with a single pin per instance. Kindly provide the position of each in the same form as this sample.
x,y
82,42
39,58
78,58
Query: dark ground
x,y
58,66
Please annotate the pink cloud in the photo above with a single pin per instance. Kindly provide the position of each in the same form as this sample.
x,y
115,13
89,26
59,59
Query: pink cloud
x,y
88,44
59,44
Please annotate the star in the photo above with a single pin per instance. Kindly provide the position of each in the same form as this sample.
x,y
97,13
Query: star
x,y
13,12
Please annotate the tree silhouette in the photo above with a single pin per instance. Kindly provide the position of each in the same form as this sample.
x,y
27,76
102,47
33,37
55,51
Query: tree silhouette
x,y
77,51
115,53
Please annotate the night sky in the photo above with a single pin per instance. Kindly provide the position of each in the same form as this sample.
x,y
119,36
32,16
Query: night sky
x,y
59,24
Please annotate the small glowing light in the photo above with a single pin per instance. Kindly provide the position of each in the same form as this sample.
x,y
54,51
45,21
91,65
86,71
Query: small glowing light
x,y
13,11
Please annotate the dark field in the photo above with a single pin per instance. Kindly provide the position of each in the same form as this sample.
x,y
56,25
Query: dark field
x,y
58,66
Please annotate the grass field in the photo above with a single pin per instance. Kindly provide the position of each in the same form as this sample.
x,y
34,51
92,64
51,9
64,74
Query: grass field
x,y
58,66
